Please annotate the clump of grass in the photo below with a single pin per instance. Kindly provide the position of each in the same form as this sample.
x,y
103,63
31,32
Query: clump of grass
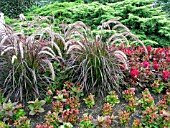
x,y
29,56
95,63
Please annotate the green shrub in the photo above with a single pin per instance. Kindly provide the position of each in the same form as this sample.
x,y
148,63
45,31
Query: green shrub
x,y
165,4
150,24
3,125
13,8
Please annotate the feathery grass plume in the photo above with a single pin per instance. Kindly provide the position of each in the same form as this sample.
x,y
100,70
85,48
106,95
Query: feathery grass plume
x,y
122,33
30,56
95,67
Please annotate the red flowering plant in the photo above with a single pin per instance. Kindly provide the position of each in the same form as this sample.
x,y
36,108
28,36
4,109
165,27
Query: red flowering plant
x,y
164,119
146,100
150,117
70,115
103,122
146,67
165,75
45,125
53,119
166,97
75,89
22,122
49,95
72,103
132,104
107,109
134,73
162,105
62,95
112,98
57,107
129,94
157,86
89,101
124,118
137,124
86,121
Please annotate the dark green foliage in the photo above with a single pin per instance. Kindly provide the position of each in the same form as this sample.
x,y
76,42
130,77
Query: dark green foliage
x,y
150,24
102,1
13,8
165,5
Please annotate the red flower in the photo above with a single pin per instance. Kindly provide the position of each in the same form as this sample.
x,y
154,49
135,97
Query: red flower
x,y
122,67
155,65
149,48
134,72
165,75
39,126
168,59
146,64
49,92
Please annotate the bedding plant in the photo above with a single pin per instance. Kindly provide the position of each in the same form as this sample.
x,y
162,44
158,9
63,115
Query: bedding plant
x,y
121,83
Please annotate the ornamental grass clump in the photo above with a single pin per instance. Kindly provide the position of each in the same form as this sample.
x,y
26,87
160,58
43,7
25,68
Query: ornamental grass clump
x,y
95,63
29,57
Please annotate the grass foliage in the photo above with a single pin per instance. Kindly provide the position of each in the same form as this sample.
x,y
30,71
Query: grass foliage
x,y
95,63
29,57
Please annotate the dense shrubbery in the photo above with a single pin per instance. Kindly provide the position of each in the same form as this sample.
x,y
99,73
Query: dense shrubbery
x,y
165,5
13,8
150,24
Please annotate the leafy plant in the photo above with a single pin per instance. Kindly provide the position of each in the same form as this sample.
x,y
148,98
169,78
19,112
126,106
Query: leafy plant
x,y
22,122
104,121
132,104
146,100
112,98
3,125
107,109
129,94
29,57
53,119
150,117
86,121
66,125
48,97
62,95
157,86
124,118
10,112
136,124
57,107
70,115
7,109
36,106
89,101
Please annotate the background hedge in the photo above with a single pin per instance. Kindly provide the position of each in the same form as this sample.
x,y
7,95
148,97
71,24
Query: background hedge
x,y
150,24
